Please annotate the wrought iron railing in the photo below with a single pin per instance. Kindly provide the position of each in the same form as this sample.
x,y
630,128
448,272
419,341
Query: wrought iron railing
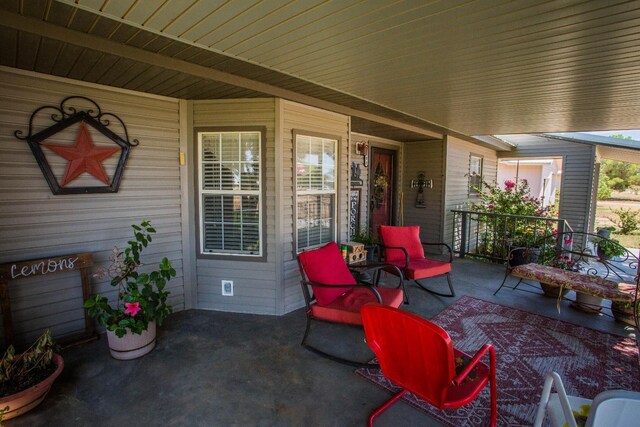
x,y
490,235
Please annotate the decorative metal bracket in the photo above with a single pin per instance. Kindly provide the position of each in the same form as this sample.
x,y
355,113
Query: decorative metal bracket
x,y
65,116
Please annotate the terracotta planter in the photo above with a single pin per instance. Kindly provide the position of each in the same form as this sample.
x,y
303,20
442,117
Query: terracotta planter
x,y
552,291
28,399
587,303
622,313
132,346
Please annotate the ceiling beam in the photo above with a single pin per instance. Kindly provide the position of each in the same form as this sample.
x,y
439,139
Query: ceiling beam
x,y
89,41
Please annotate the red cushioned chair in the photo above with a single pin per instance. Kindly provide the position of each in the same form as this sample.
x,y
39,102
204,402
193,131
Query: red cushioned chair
x,y
402,247
418,356
332,294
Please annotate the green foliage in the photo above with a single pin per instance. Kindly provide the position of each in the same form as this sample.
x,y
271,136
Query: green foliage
x,y
141,296
619,175
604,190
627,220
38,356
609,248
364,235
512,199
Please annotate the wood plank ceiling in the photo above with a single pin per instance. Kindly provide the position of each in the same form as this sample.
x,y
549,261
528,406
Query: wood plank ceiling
x,y
454,66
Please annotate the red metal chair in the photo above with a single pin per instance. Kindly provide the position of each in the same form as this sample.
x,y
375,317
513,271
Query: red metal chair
x,y
332,294
418,356
403,248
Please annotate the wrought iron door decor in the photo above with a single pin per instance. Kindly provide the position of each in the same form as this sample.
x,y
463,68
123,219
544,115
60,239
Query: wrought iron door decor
x,y
83,156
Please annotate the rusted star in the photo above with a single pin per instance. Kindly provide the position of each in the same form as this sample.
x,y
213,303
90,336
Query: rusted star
x,y
84,156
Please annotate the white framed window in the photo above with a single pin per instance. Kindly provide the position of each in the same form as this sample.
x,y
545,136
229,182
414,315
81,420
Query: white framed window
x,y
475,174
230,192
316,190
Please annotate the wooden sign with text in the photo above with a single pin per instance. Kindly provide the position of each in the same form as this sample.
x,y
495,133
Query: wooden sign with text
x,y
42,267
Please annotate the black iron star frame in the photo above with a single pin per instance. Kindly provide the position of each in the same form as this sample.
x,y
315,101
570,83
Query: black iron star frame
x,y
65,116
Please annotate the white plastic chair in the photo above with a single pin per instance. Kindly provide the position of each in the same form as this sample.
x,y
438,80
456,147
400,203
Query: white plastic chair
x,y
609,408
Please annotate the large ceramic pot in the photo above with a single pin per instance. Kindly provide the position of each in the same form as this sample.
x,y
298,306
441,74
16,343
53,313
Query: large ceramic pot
x,y
520,255
23,401
587,303
131,346
552,291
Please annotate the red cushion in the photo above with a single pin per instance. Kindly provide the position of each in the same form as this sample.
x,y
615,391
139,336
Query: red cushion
x,y
423,268
406,237
326,266
346,308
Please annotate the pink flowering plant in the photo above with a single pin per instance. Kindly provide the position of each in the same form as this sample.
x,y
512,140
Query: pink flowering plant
x,y
504,231
141,296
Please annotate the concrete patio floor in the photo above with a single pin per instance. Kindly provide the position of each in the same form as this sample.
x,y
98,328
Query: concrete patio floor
x,y
219,369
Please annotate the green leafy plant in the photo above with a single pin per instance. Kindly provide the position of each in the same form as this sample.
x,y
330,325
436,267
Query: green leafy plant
x,y
627,220
19,372
365,236
608,248
141,296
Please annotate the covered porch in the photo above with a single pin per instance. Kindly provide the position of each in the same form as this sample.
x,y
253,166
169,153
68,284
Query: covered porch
x,y
216,368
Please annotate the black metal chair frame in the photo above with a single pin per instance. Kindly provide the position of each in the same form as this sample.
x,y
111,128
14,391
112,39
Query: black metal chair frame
x,y
310,299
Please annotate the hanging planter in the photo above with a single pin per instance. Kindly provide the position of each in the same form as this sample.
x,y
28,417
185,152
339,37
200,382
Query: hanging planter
x,y
130,345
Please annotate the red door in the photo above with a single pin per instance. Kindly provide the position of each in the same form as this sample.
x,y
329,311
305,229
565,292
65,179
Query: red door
x,y
381,184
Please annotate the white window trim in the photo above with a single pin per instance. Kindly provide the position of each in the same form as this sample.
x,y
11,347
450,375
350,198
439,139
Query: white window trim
x,y
257,192
334,192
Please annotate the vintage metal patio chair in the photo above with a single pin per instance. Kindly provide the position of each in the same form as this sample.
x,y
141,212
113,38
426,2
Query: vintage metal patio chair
x,y
402,247
608,409
418,356
332,294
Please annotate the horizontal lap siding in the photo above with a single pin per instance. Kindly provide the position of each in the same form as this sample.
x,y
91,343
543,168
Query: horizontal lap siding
x,y
254,281
426,158
36,224
577,173
457,183
304,118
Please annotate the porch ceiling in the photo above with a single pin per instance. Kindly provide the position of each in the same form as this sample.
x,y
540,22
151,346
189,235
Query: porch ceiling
x,y
409,70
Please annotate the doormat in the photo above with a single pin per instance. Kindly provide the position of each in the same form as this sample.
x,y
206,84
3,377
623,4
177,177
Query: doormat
x,y
528,346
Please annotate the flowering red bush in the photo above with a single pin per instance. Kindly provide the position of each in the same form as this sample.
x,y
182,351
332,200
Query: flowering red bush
x,y
512,199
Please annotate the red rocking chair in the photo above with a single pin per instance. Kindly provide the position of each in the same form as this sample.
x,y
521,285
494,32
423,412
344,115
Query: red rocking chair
x,y
332,294
403,248
418,356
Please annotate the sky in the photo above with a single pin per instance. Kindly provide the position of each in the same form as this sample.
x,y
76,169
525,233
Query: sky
x,y
633,133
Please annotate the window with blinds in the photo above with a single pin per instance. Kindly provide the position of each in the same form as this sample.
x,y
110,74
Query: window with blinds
x,y
230,193
315,191
475,174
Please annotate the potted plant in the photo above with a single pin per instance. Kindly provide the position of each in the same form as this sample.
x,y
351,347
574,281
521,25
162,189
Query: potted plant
x,y
370,241
26,378
563,262
141,301
608,248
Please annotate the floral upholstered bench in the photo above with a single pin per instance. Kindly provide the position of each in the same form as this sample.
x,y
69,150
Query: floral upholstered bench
x,y
579,282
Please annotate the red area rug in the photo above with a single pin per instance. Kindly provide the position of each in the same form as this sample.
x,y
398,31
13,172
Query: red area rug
x,y
528,346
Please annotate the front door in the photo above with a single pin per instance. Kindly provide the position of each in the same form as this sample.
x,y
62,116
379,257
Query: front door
x,y
381,185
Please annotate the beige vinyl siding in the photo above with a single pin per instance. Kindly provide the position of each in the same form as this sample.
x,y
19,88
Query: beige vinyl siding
x,y
457,183
304,118
36,224
427,158
577,173
254,280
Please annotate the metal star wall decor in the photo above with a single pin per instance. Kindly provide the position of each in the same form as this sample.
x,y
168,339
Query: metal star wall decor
x,y
84,156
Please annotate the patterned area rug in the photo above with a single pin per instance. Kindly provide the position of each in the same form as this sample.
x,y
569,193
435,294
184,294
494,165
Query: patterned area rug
x,y
528,346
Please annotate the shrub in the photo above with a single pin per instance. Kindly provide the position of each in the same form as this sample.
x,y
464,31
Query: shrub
x,y
627,220
604,191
